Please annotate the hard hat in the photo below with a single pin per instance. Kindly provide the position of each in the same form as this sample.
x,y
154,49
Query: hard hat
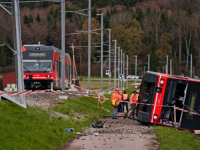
x,y
117,89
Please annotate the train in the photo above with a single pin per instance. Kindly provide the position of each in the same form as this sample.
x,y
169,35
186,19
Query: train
x,y
161,93
42,67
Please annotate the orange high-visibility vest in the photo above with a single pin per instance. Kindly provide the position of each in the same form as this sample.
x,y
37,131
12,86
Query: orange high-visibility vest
x,y
133,98
116,96
125,96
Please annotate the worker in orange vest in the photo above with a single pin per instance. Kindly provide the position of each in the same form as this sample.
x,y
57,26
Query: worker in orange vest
x,y
125,100
115,97
133,101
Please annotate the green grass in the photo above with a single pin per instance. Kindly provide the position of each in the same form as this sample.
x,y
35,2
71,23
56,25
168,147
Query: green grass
x,y
97,84
28,129
84,105
172,139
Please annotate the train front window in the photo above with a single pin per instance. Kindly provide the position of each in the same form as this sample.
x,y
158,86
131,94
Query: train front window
x,y
41,66
146,92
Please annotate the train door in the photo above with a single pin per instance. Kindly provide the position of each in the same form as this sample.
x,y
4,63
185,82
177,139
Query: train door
x,y
59,71
175,95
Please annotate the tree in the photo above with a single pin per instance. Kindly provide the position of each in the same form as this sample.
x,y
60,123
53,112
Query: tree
x,y
38,18
25,19
123,18
94,38
190,23
165,45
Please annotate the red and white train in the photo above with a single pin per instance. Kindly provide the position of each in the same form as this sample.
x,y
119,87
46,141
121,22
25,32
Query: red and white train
x,y
159,93
42,67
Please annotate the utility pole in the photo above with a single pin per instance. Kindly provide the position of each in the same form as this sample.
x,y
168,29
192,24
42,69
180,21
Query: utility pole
x,y
190,65
121,66
170,66
123,69
14,39
63,44
135,67
118,64
115,64
148,62
89,42
101,51
19,51
109,58
127,71
167,65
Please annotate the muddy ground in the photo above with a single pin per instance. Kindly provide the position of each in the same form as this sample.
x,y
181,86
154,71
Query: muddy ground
x,y
117,135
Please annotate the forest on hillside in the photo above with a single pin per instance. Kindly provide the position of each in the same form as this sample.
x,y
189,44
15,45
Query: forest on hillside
x,y
141,27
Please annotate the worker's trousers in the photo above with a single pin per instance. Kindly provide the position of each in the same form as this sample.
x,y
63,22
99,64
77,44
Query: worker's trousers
x,y
115,112
133,106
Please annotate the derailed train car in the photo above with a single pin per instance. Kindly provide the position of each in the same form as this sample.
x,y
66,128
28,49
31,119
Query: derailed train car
x,y
159,93
42,67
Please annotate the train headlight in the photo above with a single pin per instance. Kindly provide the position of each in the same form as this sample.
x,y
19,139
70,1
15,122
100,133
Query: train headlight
x,y
161,82
25,76
48,76
155,117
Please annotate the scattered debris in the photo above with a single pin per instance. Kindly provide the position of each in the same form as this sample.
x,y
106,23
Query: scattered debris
x,y
69,130
98,124
96,133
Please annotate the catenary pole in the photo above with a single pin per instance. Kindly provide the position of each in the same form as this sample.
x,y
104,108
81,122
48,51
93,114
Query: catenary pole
x,y
118,64
19,50
135,67
126,71
123,69
101,52
148,62
121,65
167,65
63,44
109,58
115,64
89,42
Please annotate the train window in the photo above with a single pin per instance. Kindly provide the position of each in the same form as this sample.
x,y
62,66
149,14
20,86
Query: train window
x,y
54,66
191,105
37,66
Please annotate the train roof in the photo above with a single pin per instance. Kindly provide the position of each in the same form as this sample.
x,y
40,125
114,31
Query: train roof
x,y
40,47
180,77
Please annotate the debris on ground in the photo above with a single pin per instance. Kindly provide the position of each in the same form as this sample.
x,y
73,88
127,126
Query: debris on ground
x,y
116,134
98,124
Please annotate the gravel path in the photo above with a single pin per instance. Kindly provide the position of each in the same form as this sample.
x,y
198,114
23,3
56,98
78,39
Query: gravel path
x,y
117,135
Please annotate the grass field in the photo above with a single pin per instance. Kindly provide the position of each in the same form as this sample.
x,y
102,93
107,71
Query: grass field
x,y
97,84
30,128
172,139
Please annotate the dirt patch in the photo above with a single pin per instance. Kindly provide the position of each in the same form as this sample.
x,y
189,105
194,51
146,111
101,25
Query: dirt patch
x,y
116,134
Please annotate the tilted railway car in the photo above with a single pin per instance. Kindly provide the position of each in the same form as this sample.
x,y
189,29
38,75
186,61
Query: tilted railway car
x,y
161,93
42,67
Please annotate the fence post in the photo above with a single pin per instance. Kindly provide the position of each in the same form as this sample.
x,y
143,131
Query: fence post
x,y
175,117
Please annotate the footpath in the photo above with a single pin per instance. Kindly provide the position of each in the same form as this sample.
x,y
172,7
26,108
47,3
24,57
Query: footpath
x,y
116,134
